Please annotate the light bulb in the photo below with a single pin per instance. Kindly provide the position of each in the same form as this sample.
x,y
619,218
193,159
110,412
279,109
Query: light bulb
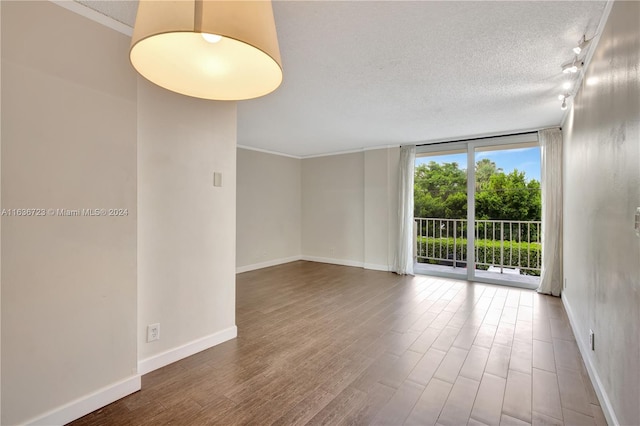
x,y
582,45
566,85
571,67
564,105
211,38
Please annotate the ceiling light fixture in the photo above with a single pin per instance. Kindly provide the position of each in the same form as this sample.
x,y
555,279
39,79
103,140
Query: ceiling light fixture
x,y
566,85
563,98
582,45
210,49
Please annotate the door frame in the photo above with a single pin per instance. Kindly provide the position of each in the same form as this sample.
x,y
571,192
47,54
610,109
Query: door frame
x,y
470,146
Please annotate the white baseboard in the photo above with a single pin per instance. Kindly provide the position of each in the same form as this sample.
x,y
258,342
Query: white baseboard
x,y
342,262
605,402
275,262
85,405
375,267
165,358
268,263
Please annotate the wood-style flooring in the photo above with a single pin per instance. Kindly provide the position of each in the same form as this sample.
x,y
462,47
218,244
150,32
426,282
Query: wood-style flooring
x,y
327,344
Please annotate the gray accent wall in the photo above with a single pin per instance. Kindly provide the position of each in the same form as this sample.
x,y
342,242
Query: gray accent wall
x,y
602,191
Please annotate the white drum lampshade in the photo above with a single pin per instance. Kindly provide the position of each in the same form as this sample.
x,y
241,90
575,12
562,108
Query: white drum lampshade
x,y
210,49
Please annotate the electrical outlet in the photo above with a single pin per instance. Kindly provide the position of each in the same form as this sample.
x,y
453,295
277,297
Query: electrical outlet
x,y
592,340
153,332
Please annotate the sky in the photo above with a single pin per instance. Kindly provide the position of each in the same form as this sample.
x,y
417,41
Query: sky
x,y
524,159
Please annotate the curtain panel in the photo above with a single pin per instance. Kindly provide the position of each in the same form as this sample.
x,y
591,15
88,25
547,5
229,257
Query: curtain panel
x,y
551,176
403,264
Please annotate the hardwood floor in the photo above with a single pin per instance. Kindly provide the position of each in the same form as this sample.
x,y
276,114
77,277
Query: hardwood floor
x,y
326,344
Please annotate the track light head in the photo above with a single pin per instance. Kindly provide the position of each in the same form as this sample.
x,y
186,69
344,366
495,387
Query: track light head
x,y
563,98
582,45
572,67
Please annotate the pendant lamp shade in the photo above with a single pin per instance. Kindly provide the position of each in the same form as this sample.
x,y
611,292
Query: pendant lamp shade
x,y
210,49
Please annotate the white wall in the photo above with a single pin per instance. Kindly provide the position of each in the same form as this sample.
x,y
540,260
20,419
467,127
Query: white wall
x,y
337,208
333,208
80,130
380,207
268,209
602,191
186,226
69,142
349,208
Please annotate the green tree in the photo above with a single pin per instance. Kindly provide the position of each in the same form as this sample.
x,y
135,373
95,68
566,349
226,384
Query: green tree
x,y
509,197
485,168
455,206
440,191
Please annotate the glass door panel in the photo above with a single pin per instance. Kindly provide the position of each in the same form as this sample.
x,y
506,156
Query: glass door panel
x,y
507,210
440,212
477,210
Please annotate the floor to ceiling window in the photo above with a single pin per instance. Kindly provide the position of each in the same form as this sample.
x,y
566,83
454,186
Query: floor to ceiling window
x,y
492,184
440,212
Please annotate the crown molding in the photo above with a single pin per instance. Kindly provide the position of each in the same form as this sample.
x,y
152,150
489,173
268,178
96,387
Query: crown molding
x,y
95,16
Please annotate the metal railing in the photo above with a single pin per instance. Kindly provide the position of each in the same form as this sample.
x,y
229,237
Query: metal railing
x,y
505,246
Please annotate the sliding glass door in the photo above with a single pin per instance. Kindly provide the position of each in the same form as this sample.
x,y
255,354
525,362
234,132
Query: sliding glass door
x,y
493,185
440,205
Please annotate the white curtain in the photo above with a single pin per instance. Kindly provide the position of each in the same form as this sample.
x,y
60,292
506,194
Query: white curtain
x,y
551,176
404,256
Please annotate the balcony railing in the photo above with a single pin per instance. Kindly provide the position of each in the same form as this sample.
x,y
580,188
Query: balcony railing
x,y
503,246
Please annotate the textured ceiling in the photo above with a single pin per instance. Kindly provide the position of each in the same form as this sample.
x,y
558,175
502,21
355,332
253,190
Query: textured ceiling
x,y
360,74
